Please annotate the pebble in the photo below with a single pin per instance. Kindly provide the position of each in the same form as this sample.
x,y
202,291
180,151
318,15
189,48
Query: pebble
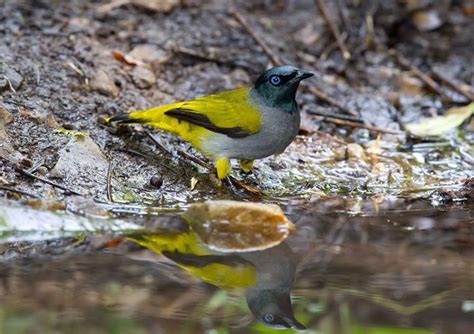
x,y
156,181
102,83
355,151
8,76
5,116
143,77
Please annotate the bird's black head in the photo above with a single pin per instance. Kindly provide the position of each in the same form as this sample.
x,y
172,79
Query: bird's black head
x,y
277,86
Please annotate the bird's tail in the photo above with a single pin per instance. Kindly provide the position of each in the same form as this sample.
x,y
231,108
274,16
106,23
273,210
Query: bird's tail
x,y
156,117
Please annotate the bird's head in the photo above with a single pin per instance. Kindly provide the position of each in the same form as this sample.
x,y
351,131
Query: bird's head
x,y
277,86
273,308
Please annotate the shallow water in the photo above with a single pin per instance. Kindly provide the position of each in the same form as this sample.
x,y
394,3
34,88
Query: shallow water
x,y
385,268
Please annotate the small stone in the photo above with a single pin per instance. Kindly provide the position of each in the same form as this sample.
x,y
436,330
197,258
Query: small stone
x,y
156,181
355,152
102,83
340,153
52,122
10,79
378,168
5,116
143,77
42,170
146,53
426,20
25,162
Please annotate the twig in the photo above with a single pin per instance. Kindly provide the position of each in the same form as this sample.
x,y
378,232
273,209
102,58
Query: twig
x,y
453,84
196,160
243,22
157,143
404,62
18,191
334,30
361,126
326,98
331,137
42,179
35,167
109,182
334,115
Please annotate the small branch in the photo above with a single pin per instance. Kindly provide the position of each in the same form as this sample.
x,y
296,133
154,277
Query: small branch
x,y
326,98
331,137
243,22
404,62
361,126
453,84
18,191
157,143
109,183
42,179
334,30
335,115
194,159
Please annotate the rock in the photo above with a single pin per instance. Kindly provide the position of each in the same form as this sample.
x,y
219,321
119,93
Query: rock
x,y
146,54
82,164
143,77
156,181
6,149
426,20
5,116
355,152
9,78
102,83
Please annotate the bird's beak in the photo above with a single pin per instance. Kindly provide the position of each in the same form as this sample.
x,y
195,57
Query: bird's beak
x,y
304,75
295,324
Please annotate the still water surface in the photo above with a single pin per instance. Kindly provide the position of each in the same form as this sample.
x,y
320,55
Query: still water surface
x,y
369,268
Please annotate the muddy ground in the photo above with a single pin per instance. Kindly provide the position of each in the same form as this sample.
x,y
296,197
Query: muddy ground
x,y
65,65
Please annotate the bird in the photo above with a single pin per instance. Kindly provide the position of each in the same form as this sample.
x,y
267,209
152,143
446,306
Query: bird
x,y
266,276
245,123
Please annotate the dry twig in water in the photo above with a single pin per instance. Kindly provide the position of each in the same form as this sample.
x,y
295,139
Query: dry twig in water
x,y
361,126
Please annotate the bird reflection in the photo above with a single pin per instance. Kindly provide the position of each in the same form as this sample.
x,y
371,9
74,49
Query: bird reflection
x,y
267,276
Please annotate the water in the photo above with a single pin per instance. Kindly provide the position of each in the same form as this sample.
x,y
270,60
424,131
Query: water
x,y
383,268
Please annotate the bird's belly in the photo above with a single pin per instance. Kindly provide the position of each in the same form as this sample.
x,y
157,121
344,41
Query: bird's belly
x,y
268,141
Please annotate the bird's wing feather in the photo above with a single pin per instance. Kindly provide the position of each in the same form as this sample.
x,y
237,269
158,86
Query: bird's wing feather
x,y
232,113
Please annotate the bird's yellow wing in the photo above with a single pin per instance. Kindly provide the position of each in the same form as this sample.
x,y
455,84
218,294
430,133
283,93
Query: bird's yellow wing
x,y
232,113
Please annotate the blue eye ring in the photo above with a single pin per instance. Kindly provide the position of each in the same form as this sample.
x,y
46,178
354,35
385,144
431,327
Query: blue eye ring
x,y
275,80
268,318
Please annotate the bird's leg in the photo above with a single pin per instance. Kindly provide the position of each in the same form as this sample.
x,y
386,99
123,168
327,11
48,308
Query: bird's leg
x,y
223,167
246,165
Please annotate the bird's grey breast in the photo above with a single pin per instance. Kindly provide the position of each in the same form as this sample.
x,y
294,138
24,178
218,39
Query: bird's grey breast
x,y
278,128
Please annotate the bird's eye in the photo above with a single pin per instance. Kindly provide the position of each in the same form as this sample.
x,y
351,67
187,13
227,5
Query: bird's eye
x,y
275,80
268,318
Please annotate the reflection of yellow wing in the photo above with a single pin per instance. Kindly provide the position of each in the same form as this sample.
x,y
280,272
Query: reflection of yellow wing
x,y
188,251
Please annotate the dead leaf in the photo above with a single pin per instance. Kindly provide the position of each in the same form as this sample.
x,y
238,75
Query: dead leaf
x,y
232,226
436,126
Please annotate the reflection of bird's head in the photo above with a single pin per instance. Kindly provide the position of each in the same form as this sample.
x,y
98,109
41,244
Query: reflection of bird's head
x,y
273,307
